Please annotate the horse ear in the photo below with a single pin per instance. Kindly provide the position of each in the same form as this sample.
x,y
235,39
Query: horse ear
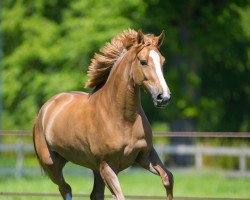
x,y
140,37
160,39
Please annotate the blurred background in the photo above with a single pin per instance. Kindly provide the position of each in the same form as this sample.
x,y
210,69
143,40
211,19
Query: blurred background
x,y
46,48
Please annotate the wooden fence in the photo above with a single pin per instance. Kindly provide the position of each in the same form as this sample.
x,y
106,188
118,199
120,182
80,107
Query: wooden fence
x,y
161,134
108,197
198,151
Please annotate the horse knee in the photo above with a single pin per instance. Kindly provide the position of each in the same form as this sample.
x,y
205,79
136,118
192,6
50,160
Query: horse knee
x,y
168,180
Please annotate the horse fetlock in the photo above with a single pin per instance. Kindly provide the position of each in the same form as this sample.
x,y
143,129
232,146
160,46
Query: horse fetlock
x,y
95,196
68,196
65,191
118,197
169,196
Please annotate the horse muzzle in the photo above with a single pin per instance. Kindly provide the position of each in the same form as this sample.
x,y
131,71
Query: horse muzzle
x,y
161,100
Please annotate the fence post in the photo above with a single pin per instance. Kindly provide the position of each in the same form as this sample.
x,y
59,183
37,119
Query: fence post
x,y
19,161
198,158
243,162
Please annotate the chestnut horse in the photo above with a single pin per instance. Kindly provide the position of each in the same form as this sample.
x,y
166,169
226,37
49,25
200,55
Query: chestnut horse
x,y
106,130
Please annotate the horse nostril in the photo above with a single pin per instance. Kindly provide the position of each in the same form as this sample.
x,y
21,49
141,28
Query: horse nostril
x,y
159,97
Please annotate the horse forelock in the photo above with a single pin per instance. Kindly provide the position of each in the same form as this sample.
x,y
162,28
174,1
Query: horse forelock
x,y
103,62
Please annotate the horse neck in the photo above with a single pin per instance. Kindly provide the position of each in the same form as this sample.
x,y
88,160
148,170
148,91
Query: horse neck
x,y
121,95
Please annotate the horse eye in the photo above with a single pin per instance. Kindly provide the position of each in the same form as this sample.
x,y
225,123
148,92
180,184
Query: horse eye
x,y
143,62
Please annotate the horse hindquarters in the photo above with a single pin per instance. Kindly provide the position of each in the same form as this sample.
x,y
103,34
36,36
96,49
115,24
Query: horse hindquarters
x,y
51,162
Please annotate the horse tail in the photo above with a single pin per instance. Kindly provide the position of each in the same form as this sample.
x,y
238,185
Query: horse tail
x,y
35,133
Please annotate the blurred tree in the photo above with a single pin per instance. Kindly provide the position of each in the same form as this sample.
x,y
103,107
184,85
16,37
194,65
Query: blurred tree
x,y
48,46
208,65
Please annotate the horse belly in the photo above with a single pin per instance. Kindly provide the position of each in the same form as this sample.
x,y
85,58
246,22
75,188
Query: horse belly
x,y
78,156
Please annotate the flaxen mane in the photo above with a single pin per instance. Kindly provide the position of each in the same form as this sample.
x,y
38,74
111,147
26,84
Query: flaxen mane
x,y
102,63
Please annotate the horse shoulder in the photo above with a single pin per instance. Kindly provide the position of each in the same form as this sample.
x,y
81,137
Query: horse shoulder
x,y
142,125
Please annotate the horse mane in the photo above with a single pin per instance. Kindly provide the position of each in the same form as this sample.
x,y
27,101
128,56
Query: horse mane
x,y
103,62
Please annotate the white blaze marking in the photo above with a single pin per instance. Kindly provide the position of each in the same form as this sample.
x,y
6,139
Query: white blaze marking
x,y
53,117
156,60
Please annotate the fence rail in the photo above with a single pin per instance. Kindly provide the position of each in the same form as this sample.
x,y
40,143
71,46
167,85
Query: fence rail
x,y
197,151
160,134
136,197
200,151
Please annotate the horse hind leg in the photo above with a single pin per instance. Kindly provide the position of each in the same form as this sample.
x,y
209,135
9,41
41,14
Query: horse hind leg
x,y
52,163
54,171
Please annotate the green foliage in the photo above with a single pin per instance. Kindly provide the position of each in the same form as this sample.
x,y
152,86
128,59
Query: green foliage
x,y
208,66
48,46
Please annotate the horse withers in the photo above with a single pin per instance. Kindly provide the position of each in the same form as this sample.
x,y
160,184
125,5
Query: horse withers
x,y
106,130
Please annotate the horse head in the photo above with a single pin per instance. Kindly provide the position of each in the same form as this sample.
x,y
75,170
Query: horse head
x,y
147,68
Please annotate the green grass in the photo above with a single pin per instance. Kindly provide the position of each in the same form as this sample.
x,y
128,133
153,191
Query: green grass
x,y
137,182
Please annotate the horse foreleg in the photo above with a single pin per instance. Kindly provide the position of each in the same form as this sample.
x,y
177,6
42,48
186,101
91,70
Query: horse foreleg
x,y
153,163
98,188
111,180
